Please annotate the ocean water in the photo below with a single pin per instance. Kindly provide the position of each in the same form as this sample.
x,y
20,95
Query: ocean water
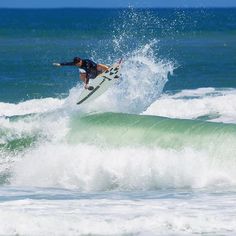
x,y
154,155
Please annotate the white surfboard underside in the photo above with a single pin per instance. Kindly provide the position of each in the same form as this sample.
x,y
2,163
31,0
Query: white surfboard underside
x,y
100,84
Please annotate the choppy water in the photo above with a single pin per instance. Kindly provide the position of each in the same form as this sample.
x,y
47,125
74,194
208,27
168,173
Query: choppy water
x,y
154,155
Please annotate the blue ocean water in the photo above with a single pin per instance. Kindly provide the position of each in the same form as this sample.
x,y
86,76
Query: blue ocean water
x,y
154,155
200,41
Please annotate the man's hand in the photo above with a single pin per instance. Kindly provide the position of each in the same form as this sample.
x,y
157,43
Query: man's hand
x,y
56,64
90,88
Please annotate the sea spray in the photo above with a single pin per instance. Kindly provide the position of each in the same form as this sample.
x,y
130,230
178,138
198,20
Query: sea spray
x,y
144,71
142,82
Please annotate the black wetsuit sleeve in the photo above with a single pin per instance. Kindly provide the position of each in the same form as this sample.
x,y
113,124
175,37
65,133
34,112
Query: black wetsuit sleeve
x,y
67,64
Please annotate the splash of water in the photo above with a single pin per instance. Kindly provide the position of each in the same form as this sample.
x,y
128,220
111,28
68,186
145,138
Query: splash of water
x,y
144,71
143,79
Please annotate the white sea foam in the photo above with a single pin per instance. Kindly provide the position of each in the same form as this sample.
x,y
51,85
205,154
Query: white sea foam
x,y
162,214
52,127
217,105
30,106
90,168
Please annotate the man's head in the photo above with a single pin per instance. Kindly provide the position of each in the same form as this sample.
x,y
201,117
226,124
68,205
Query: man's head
x,y
77,61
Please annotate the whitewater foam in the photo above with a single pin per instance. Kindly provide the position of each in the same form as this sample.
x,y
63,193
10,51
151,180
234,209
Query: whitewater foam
x,y
90,168
30,106
180,214
216,105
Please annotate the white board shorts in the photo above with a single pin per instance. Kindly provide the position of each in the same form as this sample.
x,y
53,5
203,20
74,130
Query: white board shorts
x,y
82,71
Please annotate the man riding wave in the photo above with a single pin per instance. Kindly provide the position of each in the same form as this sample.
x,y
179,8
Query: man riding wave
x,y
88,69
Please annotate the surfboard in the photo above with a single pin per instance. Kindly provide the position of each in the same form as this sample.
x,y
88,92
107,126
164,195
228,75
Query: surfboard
x,y
100,84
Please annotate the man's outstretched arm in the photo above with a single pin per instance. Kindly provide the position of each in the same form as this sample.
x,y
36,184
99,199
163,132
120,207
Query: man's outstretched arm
x,y
64,64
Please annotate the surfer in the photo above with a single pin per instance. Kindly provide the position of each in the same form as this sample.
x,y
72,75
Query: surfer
x,y
88,69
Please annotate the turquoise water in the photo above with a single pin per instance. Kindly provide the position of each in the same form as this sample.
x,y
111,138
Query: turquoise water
x,y
154,155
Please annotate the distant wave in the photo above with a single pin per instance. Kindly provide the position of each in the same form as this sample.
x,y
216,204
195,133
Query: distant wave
x,y
211,104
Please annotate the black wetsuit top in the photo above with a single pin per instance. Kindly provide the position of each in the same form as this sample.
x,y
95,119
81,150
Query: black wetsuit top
x,y
89,66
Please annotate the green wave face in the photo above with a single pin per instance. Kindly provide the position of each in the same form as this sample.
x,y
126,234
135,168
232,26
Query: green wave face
x,y
125,129
10,140
18,144
15,138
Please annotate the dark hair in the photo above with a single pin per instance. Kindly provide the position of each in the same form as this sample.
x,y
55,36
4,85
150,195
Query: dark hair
x,y
76,60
